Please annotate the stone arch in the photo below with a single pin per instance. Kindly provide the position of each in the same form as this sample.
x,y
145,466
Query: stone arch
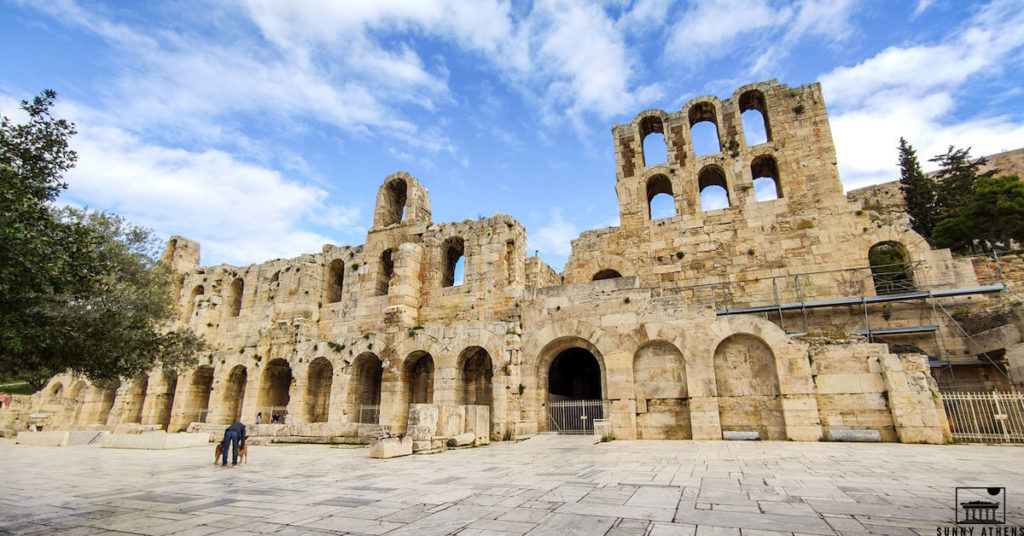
x,y
197,398
754,112
588,270
234,394
135,399
335,281
364,388
764,170
453,251
890,268
319,378
106,392
712,176
234,297
607,273
655,150
662,398
77,396
56,392
747,384
659,185
395,195
275,390
190,306
385,271
553,349
418,373
474,377
705,114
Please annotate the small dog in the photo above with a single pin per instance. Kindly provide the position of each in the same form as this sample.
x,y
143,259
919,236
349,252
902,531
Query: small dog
x,y
243,453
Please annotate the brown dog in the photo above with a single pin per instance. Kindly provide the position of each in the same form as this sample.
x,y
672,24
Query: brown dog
x,y
243,453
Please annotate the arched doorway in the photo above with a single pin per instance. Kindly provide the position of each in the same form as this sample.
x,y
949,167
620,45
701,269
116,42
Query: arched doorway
x,y
197,402
77,397
662,404
136,399
474,377
890,271
364,389
234,394
318,390
419,378
275,391
574,384
749,399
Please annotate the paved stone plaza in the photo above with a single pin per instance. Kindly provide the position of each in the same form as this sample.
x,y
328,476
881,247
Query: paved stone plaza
x,y
546,485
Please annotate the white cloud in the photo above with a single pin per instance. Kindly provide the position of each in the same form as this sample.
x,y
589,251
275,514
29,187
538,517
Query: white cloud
x,y
911,91
555,236
238,211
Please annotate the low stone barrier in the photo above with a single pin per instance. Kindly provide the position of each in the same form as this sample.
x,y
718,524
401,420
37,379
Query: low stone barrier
x,y
741,436
391,447
859,436
524,430
58,438
155,441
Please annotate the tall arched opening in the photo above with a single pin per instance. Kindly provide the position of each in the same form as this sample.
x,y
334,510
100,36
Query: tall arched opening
x,y
364,389
749,399
197,401
419,378
575,387
275,391
77,397
662,402
234,394
136,399
474,377
319,379
890,271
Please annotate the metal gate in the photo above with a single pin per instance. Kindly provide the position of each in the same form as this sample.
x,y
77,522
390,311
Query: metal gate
x,y
575,416
996,417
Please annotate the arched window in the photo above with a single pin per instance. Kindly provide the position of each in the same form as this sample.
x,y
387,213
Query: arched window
x,y
714,193
660,201
454,258
335,278
606,274
765,172
419,378
190,307
235,296
754,115
704,129
890,271
652,136
394,202
385,272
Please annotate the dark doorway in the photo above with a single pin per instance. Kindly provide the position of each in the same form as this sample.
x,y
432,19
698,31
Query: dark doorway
x,y
575,375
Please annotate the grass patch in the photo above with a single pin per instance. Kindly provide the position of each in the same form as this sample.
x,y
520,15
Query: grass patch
x,y
17,388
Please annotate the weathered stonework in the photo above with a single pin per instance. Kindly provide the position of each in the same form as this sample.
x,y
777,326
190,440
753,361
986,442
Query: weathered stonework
x,y
381,334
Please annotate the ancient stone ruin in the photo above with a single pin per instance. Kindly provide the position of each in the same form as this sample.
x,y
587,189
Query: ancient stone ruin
x,y
763,319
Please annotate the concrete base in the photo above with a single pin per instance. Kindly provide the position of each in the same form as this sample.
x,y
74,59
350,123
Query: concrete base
x,y
155,441
741,436
58,438
391,447
859,436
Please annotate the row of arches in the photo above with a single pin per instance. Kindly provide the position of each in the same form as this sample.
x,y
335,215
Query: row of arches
x,y
713,188
705,137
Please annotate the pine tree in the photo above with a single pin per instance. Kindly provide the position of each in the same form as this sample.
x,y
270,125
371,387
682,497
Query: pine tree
x,y
918,191
955,179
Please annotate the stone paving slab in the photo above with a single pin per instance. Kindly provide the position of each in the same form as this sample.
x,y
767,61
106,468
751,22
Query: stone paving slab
x,y
546,485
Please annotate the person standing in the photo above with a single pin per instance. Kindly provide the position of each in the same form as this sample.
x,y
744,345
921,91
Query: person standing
x,y
234,436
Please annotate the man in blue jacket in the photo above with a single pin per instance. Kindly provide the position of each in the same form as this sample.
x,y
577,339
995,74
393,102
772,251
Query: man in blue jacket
x,y
235,436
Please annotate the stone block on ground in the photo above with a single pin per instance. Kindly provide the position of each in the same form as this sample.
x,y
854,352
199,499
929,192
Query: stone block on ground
x,y
524,430
462,440
155,441
391,447
741,436
858,436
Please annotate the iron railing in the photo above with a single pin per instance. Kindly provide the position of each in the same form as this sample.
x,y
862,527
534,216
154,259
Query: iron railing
x,y
996,417
369,414
575,417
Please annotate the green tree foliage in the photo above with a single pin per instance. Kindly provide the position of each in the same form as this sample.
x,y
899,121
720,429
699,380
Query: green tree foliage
x,y
955,179
918,191
79,290
992,216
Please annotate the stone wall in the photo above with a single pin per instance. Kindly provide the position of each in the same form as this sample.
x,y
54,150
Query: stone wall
x,y
383,333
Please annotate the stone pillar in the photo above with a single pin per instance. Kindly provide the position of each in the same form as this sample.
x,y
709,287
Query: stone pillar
x,y
704,420
404,291
179,416
914,399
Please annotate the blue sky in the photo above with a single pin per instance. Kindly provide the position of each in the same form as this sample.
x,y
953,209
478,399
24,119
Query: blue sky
x,y
263,129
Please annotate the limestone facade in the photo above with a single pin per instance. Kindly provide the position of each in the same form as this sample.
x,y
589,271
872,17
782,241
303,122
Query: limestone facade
x,y
383,334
